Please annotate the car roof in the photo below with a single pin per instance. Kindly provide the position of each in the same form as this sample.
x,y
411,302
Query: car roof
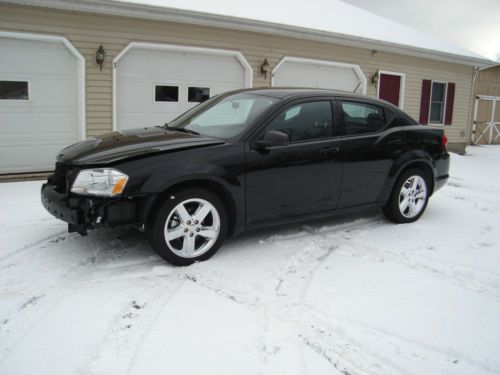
x,y
290,93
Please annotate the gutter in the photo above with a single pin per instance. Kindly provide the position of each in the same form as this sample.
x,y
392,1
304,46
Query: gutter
x,y
152,12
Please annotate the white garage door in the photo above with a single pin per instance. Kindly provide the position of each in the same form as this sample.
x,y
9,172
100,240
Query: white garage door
x,y
38,103
156,83
298,72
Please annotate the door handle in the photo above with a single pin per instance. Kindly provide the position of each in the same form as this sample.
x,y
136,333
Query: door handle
x,y
330,150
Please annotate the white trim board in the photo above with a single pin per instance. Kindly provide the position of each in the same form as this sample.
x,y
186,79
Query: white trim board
x,y
81,69
180,48
356,68
402,83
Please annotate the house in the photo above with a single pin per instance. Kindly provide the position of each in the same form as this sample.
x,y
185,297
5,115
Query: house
x,y
75,69
485,127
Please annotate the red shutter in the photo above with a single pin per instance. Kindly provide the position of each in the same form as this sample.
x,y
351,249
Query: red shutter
x,y
425,101
450,98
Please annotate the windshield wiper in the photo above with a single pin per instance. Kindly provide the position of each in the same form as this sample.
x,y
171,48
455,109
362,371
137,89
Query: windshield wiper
x,y
184,130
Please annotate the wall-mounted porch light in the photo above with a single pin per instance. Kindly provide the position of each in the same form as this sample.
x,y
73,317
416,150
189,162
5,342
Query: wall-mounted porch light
x,y
100,55
264,68
374,78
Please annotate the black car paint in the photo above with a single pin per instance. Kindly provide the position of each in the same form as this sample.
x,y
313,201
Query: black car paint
x,y
117,146
260,187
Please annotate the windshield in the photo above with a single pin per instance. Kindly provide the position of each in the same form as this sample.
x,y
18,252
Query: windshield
x,y
223,117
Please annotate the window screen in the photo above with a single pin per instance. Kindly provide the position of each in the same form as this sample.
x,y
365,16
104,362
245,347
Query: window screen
x,y
305,121
198,94
166,93
14,90
361,118
437,103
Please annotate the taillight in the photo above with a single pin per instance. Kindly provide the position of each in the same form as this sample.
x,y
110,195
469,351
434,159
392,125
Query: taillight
x,y
444,141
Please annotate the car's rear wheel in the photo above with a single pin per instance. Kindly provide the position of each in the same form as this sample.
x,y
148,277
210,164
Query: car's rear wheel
x,y
190,226
409,197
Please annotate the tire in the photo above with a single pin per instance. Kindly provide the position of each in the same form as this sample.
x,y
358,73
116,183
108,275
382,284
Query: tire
x,y
400,211
190,226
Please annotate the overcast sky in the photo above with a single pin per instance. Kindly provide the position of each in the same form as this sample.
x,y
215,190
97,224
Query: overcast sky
x,y
470,24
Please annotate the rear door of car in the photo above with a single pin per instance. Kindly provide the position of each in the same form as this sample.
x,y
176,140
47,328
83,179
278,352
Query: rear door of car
x,y
302,177
368,149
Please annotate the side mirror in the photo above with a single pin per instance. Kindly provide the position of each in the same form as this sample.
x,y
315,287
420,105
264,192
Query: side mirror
x,y
272,138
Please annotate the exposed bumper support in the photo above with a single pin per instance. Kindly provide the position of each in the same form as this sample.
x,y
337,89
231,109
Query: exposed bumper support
x,y
83,213
57,204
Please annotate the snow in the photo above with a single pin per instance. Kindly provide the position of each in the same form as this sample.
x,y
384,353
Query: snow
x,y
348,295
333,16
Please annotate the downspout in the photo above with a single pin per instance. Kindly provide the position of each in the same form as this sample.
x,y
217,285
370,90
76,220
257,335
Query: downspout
x,y
472,101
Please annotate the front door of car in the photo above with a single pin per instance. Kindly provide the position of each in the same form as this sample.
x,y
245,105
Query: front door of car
x,y
302,177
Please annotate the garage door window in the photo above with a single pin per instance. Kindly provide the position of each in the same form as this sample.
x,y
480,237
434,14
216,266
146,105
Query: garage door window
x,y
361,118
166,93
14,90
198,94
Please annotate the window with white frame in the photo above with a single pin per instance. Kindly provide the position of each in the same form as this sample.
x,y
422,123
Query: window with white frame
x,y
198,94
438,98
14,90
164,93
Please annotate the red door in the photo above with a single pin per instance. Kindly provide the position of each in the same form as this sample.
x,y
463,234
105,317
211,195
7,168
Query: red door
x,y
389,87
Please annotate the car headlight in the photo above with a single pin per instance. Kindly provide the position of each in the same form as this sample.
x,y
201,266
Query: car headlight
x,y
104,182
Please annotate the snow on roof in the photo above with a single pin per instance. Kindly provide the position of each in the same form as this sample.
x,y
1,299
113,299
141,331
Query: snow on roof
x,y
324,15
328,20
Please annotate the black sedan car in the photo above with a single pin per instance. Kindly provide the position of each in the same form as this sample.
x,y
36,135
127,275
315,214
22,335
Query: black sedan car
x,y
248,159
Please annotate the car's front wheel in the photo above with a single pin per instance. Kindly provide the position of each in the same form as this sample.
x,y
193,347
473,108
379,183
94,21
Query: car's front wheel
x,y
409,197
190,226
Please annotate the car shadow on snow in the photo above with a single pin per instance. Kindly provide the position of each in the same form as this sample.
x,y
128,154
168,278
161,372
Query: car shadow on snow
x,y
129,245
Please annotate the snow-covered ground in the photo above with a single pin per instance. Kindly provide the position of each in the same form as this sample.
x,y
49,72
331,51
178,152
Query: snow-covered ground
x,y
349,295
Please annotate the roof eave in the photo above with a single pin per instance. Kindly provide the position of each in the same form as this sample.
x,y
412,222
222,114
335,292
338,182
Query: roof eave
x,y
143,11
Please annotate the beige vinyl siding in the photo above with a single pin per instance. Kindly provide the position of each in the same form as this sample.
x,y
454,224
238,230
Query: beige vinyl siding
x,y
87,32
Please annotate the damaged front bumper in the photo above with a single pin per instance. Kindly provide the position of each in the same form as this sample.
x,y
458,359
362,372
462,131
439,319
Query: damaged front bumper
x,y
83,213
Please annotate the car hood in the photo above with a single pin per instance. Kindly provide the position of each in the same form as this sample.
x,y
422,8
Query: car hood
x,y
121,145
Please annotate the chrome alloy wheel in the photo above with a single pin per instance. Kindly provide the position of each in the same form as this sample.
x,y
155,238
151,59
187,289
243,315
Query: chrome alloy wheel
x,y
412,196
192,228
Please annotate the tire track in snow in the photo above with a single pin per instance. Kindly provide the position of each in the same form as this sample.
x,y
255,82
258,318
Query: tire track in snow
x,y
341,352
468,278
412,350
24,320
118,350
344,352
284,318
30,246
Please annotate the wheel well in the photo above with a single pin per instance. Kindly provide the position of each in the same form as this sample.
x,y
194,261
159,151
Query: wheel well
x,y
422,166
212,186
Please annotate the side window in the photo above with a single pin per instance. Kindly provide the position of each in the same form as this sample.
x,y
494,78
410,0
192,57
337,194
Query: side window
x,y
362,118
305,121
